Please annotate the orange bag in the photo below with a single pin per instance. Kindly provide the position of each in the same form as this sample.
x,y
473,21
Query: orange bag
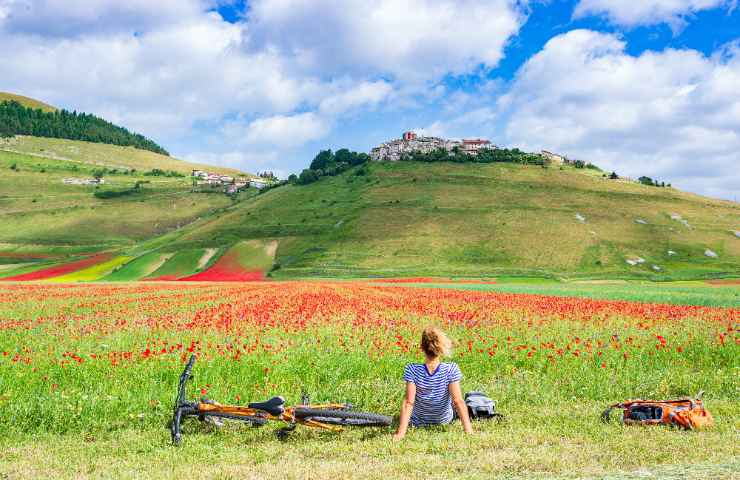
x,y
686,413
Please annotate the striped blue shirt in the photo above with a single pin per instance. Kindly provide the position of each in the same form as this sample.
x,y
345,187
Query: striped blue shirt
x,y
433,404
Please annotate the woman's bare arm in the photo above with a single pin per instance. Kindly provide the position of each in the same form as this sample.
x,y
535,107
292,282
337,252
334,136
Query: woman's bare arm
x,y
462,409
406,407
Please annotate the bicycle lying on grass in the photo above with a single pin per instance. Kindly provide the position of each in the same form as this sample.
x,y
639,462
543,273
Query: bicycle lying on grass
x,y
331,416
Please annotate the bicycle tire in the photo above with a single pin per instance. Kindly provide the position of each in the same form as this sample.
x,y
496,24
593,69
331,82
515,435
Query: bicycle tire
x,y
343,417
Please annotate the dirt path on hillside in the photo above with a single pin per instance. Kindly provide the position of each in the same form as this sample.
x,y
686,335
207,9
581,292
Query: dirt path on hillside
x,y
271,248
155,266
207,256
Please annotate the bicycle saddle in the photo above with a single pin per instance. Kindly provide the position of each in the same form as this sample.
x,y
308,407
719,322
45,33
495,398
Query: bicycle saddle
x,y
273,406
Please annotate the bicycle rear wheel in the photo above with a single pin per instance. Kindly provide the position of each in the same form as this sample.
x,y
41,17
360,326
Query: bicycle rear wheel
x,y
343,417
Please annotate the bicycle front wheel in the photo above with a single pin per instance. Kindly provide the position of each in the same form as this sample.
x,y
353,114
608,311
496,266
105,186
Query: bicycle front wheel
x,y
343,417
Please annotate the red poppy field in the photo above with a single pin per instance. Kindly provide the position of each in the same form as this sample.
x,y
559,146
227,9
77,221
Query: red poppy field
x,y
92,359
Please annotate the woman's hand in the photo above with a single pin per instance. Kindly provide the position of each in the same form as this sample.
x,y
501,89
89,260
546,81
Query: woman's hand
x,y
406,407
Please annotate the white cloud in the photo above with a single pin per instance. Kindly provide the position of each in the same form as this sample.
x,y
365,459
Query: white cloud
x,y
181,74
648,12
674,115
160,82
286,130
364,94
413,40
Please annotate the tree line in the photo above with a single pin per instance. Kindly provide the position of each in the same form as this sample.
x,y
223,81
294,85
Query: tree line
x,y
15,119
329,164
486,155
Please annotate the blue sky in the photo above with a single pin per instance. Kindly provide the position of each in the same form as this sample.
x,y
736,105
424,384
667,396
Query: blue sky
x,y
643,88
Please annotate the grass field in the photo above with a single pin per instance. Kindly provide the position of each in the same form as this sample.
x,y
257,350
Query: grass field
x,y
676,293
182,264
88,373
141,267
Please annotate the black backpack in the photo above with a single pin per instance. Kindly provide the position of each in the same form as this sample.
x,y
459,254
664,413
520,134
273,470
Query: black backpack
x,y
481,407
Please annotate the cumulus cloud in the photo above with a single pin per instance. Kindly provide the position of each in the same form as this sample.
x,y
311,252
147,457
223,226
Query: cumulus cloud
x,y
159,82
289,130
349,98
174,69
648,12
413,40
671,115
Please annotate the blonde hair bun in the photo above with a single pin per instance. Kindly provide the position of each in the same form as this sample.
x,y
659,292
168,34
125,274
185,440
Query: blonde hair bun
x,y
435,343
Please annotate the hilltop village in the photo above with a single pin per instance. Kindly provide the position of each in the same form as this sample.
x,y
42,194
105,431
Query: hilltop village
x,y
410,142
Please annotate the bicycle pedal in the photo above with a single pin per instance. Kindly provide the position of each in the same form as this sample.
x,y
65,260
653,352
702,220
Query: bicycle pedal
x,y
284,433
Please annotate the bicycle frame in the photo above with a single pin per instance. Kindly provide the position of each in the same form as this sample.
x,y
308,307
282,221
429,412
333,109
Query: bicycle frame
x,y
249,414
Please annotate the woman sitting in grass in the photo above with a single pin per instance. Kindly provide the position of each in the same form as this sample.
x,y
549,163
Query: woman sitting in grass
x,y
432,387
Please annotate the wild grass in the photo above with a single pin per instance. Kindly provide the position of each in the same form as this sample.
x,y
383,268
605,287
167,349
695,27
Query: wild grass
x,y
89,376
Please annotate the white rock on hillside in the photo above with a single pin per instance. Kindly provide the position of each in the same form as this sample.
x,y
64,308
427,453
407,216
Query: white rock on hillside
x,y
710,253
657,268
671,253
641,221
679,218
737,233
580,218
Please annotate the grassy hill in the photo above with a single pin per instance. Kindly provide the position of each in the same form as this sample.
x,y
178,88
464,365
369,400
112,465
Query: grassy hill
x,y
408,219
44,220
26,102
102,155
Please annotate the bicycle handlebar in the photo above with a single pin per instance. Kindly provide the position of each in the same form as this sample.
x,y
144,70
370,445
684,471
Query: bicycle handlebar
x,y
184,380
